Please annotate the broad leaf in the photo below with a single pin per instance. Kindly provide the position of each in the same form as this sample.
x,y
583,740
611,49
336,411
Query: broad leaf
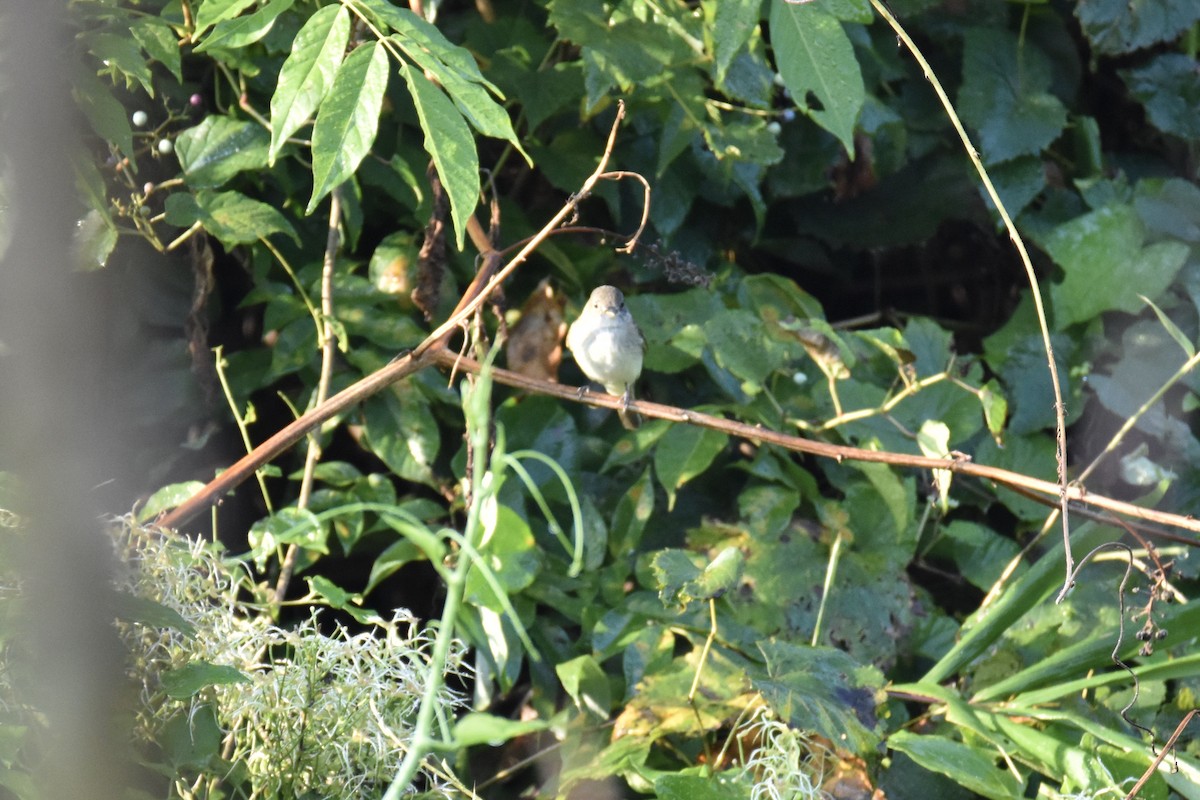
x,y
1168,88
815,57
231,217
1103,256
822,689
348,119
219,148
1004,95
683,453
1121,26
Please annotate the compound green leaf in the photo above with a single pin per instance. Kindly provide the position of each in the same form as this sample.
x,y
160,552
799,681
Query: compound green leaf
x,y
219,148
242,31
308,72
815,57
348,120
213,11
448,141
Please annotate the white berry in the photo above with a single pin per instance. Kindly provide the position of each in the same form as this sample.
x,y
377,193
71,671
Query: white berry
x,y
165,146
140,118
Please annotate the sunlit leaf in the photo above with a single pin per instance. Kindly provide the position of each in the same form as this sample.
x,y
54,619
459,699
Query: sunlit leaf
x,y
231,217
448,141
972,767
245,30
219,148
1102,254
308,72
348,119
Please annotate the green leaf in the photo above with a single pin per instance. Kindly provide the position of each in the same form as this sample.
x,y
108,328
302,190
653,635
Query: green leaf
x,y
1168,88
231,217
1121,26
509,552
587,684
243,31
348,119
152,613
453,67
633,511
168,497
122,54
619,50
213,11
189,679
159,41
815,56
731,23
822,689
401,430
219,148
308,72
478,728
971,767
722,786
1172,329
1102,256
681,582
93,240
995,407
1169,208
448,141
291,525
471,98
1004,95
106,116
684,452
1017,182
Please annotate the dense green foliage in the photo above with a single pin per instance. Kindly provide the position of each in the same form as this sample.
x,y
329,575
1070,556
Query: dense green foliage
x,y
726,606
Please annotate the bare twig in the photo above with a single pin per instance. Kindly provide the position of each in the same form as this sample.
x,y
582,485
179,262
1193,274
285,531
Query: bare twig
x,y
1034,487
1060,424
328,345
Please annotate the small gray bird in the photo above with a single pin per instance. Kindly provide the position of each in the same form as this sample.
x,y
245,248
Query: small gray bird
x,y
608,346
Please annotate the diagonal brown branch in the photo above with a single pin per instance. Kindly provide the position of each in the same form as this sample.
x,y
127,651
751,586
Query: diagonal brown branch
x,y
1047,490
